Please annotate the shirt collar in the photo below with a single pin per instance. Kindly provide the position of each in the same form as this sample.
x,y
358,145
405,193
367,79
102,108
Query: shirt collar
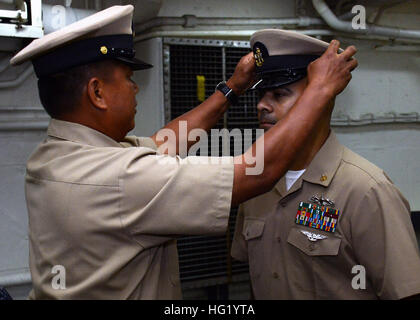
x,y
80,134
324,165
322,168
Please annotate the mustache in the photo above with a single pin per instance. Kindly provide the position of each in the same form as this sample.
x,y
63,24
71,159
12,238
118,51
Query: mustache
x,y
267,118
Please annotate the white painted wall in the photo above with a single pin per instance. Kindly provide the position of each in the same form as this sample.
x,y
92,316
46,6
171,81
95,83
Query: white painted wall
x,y
385,81
395,149
150,106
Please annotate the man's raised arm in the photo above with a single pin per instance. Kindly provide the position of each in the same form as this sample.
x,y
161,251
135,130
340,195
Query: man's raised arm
x,y
206,115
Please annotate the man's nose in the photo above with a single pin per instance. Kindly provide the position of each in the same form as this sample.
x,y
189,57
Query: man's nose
x,y
136,88
264,105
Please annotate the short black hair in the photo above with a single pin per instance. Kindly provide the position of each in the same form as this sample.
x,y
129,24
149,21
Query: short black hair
x,y
61,92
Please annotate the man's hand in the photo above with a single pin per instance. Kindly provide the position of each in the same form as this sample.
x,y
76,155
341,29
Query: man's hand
x,y
244,75
332,71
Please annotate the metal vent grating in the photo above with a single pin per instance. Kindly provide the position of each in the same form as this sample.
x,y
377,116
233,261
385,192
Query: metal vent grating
x,y
205,259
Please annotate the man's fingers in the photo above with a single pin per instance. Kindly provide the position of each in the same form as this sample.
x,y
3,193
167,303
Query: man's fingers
x,y
333,47
352,64
250,55
249,58
248,61
349,52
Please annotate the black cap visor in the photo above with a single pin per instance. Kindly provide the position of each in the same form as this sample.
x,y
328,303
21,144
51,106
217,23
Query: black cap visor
x,y
280,70
279,79
134,63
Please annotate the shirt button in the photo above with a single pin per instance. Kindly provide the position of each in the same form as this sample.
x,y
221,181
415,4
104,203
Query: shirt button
x,y
311,247
275,275
323,178
278,239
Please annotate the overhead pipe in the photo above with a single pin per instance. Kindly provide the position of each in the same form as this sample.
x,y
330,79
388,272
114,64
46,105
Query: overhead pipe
x,y
4,62
16,279
246,34
345,26
190,21
28,125
341,121
18,81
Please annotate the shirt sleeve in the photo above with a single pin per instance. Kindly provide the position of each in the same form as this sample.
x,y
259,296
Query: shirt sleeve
x,y
170,196
239,249
385,243
146,142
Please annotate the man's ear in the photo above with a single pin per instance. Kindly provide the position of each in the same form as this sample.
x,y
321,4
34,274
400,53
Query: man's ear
x,y
95,92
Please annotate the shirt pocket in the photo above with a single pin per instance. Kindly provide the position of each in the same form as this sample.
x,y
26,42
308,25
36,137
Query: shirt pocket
x,y
328,246
253,233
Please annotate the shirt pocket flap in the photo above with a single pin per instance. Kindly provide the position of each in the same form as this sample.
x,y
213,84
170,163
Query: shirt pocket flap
x,y
253,228
328,246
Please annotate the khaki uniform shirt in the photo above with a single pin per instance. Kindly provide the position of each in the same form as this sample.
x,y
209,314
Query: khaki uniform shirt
x,y
374,230
108,213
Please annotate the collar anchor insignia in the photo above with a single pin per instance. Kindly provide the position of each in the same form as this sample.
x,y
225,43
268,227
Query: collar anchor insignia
x,y
258,57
